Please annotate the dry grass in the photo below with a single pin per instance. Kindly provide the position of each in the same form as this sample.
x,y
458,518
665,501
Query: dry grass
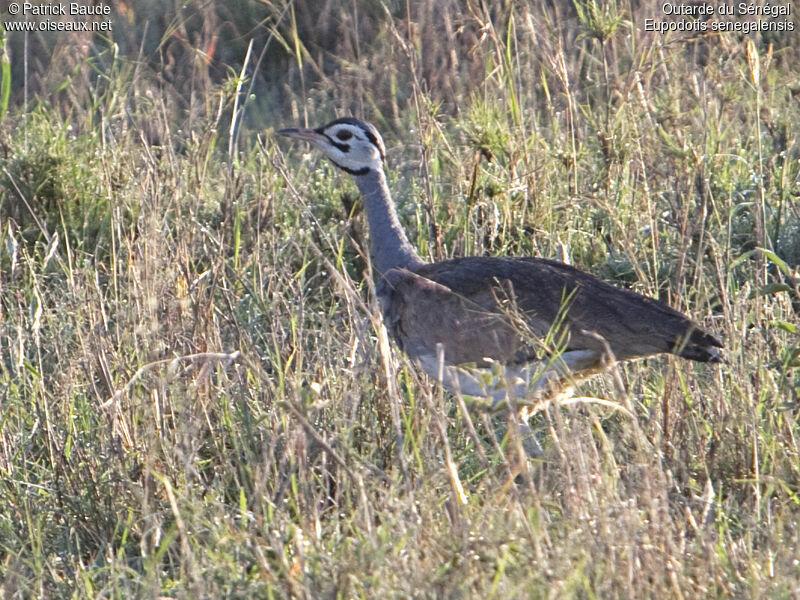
x,y
197,399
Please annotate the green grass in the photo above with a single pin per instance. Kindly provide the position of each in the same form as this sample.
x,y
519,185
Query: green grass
x,y
196,399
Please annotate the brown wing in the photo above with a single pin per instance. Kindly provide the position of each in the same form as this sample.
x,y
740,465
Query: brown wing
x,y
464,305
421,313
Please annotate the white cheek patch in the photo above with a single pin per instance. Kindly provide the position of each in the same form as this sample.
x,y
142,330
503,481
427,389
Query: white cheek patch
x,y
361,171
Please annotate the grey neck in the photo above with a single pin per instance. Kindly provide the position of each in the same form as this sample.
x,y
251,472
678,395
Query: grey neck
x,y
390,246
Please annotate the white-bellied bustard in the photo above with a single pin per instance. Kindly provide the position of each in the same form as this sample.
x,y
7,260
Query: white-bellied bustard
x,y
459,318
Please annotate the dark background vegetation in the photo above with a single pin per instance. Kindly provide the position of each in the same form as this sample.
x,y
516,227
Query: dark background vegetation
x,y
196,399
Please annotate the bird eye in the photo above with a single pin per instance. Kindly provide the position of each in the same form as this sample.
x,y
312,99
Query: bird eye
x,y
344,135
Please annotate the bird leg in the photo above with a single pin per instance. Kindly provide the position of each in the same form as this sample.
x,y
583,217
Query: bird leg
x,y
507,386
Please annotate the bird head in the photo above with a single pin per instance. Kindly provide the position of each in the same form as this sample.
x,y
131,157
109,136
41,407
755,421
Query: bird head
x,y
352,145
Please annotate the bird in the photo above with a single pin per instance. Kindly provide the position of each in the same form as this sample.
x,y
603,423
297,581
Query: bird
x,y
497,327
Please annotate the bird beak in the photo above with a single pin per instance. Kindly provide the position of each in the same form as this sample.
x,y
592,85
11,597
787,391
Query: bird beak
x,y
308,135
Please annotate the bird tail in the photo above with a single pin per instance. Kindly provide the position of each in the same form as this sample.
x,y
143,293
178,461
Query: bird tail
x,y
698,345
